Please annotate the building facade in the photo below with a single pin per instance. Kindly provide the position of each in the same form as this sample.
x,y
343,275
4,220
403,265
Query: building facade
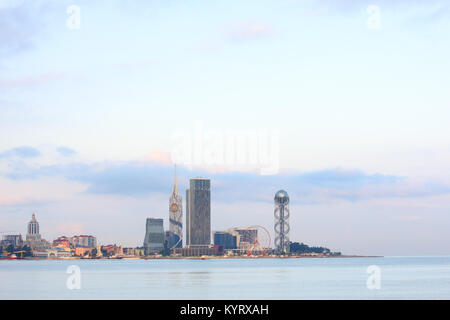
x,y
83,251
246,237
33,234
55,253
33,237
154,236
175,239
109,250
226,239
241,239
85,241
198,213
187,217
199,251
14,240
61,241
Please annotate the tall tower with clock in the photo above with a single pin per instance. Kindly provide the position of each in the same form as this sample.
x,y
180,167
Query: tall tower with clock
x,y
175,217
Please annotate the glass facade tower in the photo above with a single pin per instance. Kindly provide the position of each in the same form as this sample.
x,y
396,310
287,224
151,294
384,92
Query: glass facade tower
x,y
198,213
154,236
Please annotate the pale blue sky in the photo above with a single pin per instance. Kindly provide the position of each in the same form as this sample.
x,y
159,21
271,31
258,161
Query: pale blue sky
x,y
362,115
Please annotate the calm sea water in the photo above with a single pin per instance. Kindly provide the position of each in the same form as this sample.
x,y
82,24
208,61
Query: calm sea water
x,y
312,278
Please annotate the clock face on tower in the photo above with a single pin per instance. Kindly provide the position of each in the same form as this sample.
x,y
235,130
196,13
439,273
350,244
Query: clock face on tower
x,y
173,207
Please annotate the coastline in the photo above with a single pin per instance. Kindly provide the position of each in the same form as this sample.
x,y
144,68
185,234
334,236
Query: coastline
x,y
199,258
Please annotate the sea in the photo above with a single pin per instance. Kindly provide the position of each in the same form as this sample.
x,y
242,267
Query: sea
x,y
267,278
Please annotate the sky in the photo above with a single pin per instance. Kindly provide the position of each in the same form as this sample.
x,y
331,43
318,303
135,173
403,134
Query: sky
x,y
343,104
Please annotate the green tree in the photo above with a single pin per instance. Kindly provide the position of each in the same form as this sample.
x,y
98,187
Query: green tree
x,y
10,248
28,252
300,248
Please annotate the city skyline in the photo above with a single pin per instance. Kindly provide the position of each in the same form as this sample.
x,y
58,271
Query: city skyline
x,y
266,219
352,115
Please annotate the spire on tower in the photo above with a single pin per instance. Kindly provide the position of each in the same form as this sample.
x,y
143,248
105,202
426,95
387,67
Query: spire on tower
x,y
175,184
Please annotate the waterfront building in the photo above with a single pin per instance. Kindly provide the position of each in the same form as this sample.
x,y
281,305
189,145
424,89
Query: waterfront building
x,y
246,237
129,251
187,216
53,253
84,241
33,237
240,239
154,236
61,241
198,213
82,251
134,252
110,249
198,251
225,238
173,240
33,234
175,236
14,240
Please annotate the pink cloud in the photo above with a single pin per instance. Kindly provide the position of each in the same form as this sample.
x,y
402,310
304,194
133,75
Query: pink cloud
x,y
159,157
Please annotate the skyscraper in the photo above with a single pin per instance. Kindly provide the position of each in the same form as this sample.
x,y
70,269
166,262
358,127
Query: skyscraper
x,y
33,230
198,213
187,216
33,237
154,235
175,217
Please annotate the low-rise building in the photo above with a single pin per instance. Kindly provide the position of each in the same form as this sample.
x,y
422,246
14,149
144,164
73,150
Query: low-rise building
x,y
81,251
110,249
14,240
225,238
84,241
55,252
133,252
198,251
61,241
